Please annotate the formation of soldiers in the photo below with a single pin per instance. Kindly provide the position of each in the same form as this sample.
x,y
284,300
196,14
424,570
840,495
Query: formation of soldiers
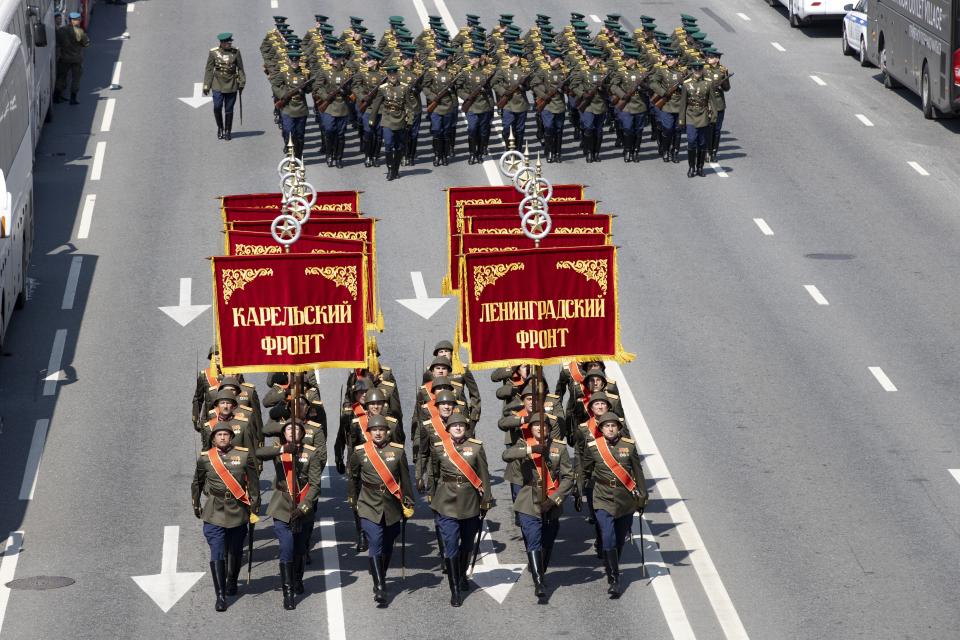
x,y
393,89
450,466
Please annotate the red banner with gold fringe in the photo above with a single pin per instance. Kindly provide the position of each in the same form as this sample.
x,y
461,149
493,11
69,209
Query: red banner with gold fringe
x,y
256,243
558,207
326,201
563,224
260,214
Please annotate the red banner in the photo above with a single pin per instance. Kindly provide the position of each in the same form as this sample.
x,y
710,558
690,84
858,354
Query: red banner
x,y
260,214
563,224
363,229
292,312
541,306
256,243
559,207
326,201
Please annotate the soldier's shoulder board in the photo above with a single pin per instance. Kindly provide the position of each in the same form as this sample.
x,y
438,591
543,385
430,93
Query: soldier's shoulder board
x,y
391,419
387,383
627,440
309,447
242,448
456,384
592,443
550,415
560,441
475,441
203,453
584,424
385,369
426,423
346,410
317,403
613,396
553,395
688,80
397,445
314,424
214,48
438,444
241,418
249,385
359,447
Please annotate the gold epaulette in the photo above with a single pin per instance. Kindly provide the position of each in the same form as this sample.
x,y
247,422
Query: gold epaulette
x,y
242,448
550,415
475,441
203,453
314,424
592,443
241,418
248,384
687,80
627,440
309,447
438,444
359,447
426,423
397,445
391,419
584,424
214,48
613,396
560,441
456,384
388,383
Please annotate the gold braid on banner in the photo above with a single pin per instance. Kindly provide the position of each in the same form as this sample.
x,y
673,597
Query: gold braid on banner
x,y
342,276
344,235
595,270
575,230
513,231
256,249
487,274
491,249
236,279
462,203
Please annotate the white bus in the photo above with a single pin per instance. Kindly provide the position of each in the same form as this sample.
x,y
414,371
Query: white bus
x,y
802,12
32,22
16,179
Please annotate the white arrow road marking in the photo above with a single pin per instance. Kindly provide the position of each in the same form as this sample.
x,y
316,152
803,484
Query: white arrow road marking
x,y
955,473
422,305
864,119
8,567
185,313
168,586
494,578
197,100
56,356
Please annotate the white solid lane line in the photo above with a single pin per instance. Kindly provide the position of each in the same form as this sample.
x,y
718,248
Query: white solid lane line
x,y
764,227
778,46
864,119
53,366
73,277
815,294
448,20
8,568
916,167
720,601
882,379
131,6
663,585
818,80
421,13
743,17
32,469
274,4
86,216
717,169
595,17
955,473
333,590
116,73
493,173
97,170
108,114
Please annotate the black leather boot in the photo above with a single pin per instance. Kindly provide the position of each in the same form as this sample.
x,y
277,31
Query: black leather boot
x,y
233,573
586,141
413,152
377,574
341,141
665,142
218,570
286,583
299,564
714,145
597,143
328,145
366,144
73,98
227,125
377,148
451,143
218,116
675,149
446,146
453,579
443,565
297,147
389,173
535,564
612,560
628,139
464,558
635,151
472,145
701,158
437,151
58,96
691,163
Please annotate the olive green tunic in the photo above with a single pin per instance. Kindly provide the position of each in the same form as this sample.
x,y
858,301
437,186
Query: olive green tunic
x,y
224,71
558,462
453,495
609,493
221,508
310,463
365,489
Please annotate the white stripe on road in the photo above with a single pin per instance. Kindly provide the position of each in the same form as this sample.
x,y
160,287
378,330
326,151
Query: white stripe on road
x,y
98,160
421,13
73,277
116,73
717,169
744,17
595,17
53,366
882,379
333,590
663,585
916,167
717,594
32,470
448,20
815,294
764,227
108,115
86,216
955,473
693,544
8,569
493,174
866,121
274,4
778,46
131,6
818,80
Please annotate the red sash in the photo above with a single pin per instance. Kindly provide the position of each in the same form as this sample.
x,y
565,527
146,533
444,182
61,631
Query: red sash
x,y
593,427
580,379
613,465
286,459
361,414
428,387
385,476
451,450
211,377
228,480
539,462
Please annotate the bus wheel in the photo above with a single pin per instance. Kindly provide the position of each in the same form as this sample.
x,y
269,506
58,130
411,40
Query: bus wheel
x,y
49,117
888,80
926,104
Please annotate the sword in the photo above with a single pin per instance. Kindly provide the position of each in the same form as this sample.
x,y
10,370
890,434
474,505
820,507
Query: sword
x,y
476,547
403,549
250,528
240,98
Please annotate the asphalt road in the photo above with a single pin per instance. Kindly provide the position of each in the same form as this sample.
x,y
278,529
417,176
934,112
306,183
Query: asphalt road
x,y
803,499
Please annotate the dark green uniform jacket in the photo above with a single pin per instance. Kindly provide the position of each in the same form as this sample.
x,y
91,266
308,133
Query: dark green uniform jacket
x,y
365,489
453,495
529,498
71,41
609,493
310,463
224,71
221,508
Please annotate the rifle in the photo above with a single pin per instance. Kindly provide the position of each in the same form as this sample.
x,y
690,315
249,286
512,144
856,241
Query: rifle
x,y
367,99
323,106
622,102
282,102
665,98
541,103
587,98
432,106
465,107
505,98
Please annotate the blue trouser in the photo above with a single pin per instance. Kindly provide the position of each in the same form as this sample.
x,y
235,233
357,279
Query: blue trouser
x,y
538,533
367,127
457,534
592,122
552,122
668,121
292,543
478,124
515,491
441,124
293,126
333,125
613,531
414,130
224,101
380,536
394,139
224,540
632,122
516,121
698,137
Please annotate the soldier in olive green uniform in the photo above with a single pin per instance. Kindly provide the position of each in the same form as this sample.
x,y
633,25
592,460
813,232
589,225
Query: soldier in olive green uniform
x,y
225,77
513,78
296,486
411,74
332,87
548,87
290,94
515,425
380,500
539,507
224,413
366,86
667,82
461,493
71,41
394,107
628,84
698,116
444,349
438,86
476,79
619,491
226,512
590,87
719,75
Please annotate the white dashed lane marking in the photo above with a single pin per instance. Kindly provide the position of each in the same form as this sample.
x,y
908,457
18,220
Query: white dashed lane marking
x,y
815,294
818,80
916,167
764,227
743,17
73,277
97,169
777,46
108,115
864,119
882,379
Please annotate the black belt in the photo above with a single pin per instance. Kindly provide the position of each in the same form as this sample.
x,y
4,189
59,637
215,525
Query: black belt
x,y
456,479
382,488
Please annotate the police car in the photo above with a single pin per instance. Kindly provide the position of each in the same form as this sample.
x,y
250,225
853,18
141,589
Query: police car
x,y
854,39
803,12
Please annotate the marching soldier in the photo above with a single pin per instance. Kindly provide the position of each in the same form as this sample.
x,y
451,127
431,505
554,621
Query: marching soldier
x,y
667,81
248,403
619,491
461,498
208,381
379,491
225,77
444,349
383,380
225,404
474,82
227,475
548,87
366,85
312,412
719,75
697,115
393,106
438,87
375,404
331,90
71,40
627,85
510,82
296,487
589,86
538,508
411,74
290,88
515,425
